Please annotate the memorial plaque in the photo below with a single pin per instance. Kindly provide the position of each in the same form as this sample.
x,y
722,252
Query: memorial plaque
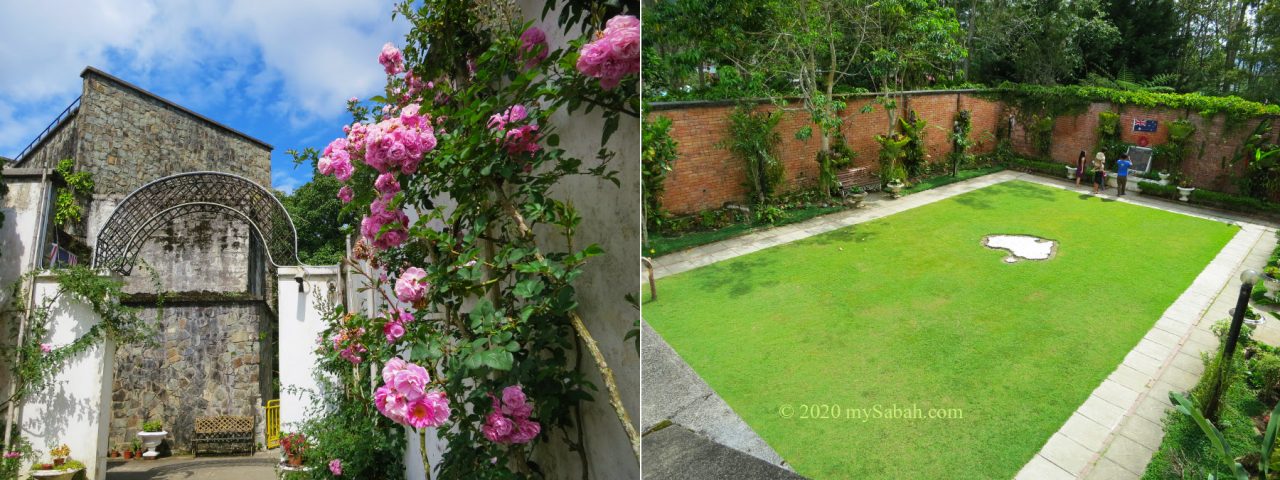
x,y
1141,158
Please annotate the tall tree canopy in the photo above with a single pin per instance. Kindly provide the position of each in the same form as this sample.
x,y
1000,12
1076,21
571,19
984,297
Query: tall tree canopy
x,y
737,48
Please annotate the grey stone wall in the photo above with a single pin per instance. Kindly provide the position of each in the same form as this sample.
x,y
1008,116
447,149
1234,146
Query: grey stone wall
x,y
62,144
130,138
207,363
196,253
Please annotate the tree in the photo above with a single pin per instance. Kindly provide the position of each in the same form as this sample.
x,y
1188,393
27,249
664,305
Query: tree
x,y
319,216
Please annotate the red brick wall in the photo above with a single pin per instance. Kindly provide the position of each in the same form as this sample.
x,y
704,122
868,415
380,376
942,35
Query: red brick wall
x,y
1212,144
706,176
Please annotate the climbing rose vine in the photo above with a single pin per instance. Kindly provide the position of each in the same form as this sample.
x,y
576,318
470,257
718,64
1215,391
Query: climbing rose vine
x,y
453,171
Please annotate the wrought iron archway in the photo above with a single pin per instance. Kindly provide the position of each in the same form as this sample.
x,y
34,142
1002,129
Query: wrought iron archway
x,y
157,203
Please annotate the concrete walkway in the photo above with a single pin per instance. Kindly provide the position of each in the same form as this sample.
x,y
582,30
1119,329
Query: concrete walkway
x,y
260,466
1113,434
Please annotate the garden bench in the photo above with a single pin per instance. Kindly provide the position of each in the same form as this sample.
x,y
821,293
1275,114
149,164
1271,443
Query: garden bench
x,y
223,429
857,177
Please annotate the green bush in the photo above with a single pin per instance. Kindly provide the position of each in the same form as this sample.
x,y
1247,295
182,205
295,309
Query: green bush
x,y
1037,166
657,158
1264,374
153,426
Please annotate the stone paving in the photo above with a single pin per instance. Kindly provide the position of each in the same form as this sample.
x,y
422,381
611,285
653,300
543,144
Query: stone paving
x,y
260,466
1115,432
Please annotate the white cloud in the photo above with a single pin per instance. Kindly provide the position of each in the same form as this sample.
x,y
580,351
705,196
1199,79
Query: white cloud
x,y
315,54
284,182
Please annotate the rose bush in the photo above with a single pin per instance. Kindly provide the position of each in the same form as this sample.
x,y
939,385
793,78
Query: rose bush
x,y
453,170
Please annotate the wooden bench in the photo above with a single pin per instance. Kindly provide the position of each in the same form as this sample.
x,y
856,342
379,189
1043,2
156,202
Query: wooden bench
x,y
857,177
223,430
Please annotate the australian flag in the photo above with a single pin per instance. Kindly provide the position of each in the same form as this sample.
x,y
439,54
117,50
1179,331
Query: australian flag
x,y
1144,126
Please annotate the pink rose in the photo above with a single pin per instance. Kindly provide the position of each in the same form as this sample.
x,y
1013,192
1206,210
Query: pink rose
x,y
432,410
387,184
46,347
410,287
393,330
392,59
533,44
346,194
335,467
497,427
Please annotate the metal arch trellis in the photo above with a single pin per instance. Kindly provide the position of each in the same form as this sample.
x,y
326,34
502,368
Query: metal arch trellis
x,y
159,202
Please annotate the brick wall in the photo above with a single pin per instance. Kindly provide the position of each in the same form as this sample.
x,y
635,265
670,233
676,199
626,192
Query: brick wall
x,y
1210,147
706,176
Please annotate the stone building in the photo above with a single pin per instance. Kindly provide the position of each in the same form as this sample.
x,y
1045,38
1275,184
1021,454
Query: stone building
x,y
214,350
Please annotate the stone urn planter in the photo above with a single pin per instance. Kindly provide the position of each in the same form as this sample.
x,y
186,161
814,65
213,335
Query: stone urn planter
x,y
1183,192
1071,172
1164,178
854,200
895,188
1111,181
151,440
1272,285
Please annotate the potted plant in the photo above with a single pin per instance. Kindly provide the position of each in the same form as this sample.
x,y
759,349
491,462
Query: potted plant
x,y
114,452
127,453
1271,281
1071,172
137,448
152,434
293,445
855,197
1184,189
1164,177
63,471
60,454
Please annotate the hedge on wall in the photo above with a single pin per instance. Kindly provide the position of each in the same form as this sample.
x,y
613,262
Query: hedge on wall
x,y
1073,99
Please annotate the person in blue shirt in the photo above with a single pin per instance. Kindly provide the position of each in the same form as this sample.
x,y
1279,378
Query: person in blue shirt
x,y
1122,173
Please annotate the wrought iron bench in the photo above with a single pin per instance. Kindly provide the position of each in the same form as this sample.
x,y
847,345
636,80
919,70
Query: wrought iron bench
x,y
857,177
223,430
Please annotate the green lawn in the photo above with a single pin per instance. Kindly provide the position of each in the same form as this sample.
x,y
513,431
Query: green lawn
x,y
911,310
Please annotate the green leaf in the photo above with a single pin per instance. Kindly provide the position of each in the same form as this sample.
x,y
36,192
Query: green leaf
x,y
528,288
610,126
498,359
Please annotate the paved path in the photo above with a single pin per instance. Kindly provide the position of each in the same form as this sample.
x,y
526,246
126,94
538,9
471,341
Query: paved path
x,y
1113,434
260,466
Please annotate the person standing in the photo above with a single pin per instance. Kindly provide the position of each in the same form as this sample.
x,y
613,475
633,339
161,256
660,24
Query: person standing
x,y
1099,172
1080,167
1122,173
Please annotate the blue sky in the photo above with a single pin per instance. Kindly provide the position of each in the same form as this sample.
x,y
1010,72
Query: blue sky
x,y
280,71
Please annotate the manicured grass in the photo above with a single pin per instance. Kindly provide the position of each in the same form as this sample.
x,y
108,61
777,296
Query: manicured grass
x,y
660,245
910,310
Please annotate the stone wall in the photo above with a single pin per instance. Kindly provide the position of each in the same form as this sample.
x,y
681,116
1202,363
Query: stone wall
x,y
61,144
130,138
706,176
197,253
207,363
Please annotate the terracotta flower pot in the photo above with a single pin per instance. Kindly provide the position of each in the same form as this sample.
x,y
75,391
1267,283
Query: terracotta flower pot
x,y
128,455
57,462
295,460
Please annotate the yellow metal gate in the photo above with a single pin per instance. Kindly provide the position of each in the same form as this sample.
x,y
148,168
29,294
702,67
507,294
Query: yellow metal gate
x,y
273,423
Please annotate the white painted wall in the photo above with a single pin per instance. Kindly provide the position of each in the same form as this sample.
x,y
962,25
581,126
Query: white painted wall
x,y
18,233
73,410
300,326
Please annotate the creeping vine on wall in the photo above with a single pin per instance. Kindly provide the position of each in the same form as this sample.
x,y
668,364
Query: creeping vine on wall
x,y
657,158
67,207
34,363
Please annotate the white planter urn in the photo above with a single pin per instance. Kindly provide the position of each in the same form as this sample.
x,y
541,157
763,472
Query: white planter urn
x,y
1272,285
151,440
895,188
1111,181
1164,178
1183,192
1071,172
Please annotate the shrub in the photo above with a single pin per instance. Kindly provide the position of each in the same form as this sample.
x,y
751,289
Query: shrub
x,y
754,139
153,426
657,157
